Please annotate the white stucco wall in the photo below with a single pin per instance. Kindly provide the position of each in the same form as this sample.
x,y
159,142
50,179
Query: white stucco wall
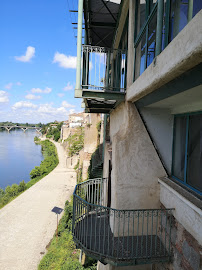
x,y
135,163
188,214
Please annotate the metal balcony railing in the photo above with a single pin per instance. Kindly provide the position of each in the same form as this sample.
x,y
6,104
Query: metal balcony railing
x,y
119,237
103,68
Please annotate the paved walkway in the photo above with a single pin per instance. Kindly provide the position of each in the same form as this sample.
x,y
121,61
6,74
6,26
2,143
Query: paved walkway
x,y
27,224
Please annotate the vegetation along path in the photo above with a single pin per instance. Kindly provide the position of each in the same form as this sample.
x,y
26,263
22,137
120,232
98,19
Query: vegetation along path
x,y
27,224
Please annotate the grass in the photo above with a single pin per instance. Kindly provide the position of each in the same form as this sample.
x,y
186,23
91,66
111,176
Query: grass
x,y
62,253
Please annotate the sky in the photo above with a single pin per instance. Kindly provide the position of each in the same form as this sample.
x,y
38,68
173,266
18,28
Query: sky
x,y
37,60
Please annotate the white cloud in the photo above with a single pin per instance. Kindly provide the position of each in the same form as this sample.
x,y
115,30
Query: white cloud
x,y
30,52
64,60
18,83
9,85
31,113
47,90
60,94
65,104
23,104
48,111
31,96
71,111
68,87
4,97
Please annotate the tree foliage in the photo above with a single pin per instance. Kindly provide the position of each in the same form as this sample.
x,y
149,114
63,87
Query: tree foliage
x,y
52,131
76,142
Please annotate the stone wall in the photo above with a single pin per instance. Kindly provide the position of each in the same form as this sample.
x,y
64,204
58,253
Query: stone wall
x,y
90,142
187,253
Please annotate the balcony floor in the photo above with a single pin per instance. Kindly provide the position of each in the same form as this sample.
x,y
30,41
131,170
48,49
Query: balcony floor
x,y
100,243
100,101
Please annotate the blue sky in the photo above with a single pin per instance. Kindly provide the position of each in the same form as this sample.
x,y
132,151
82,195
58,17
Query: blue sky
x,y
38,60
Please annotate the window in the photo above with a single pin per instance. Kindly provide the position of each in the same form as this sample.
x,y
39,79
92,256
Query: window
x,y
176,15
187,151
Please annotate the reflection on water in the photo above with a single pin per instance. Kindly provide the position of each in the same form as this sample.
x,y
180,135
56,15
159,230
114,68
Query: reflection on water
x,y
18,156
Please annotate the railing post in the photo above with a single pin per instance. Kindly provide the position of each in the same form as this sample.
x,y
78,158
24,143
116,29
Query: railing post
x,y
159,27
73,217
107,70
78,91
190,10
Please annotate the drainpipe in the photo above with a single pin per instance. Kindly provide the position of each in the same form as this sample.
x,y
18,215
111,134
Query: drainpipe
x,y
159,27
78,91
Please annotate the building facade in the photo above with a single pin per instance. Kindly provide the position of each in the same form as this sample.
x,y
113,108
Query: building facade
x,y
141,68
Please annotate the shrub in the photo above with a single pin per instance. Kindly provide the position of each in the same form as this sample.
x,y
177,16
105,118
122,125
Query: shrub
x,y
76,142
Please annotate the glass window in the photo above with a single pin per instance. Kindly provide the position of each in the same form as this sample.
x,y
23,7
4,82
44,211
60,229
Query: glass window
x,y
194,155
179,147
187,150
197,6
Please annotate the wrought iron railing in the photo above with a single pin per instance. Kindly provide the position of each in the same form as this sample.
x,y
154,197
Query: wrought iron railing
x,y
119,237
103,68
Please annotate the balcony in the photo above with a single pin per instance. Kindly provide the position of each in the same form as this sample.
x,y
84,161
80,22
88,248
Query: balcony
x,y
103,80
119,237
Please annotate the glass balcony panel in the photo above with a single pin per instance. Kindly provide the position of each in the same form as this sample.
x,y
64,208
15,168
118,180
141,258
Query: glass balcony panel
x,y
140,57
142,13
151,40
179,17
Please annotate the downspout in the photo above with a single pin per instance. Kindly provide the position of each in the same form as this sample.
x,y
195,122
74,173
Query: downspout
x,y
78,91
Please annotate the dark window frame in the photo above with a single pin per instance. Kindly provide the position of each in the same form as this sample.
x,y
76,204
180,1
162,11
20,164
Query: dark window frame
x,y
183,182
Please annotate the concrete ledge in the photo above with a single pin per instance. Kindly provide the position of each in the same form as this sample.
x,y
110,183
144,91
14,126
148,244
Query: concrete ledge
x,y
186,212
182,54
78,93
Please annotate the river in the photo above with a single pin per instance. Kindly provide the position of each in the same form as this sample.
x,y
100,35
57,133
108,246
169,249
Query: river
x,y
18,156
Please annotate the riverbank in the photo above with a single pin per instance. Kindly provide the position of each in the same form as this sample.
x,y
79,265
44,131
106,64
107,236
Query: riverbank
x,y
18,156
47,165
27,224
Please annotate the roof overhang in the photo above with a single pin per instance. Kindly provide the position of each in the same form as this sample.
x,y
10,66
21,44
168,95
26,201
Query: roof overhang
x,y
100,18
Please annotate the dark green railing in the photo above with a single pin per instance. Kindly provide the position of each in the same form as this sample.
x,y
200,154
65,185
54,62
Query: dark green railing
x,y
104,68
119,237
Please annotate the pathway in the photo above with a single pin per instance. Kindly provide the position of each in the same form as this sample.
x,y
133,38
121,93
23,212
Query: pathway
x,y
27,224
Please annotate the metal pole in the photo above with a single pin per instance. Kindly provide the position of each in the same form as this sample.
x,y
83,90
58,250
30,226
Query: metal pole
x,y
159,27
57,229
78,91
104,137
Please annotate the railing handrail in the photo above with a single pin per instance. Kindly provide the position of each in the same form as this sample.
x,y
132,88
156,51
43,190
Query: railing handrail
x,y
143,29
104,68
104,48
114,209
123,237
